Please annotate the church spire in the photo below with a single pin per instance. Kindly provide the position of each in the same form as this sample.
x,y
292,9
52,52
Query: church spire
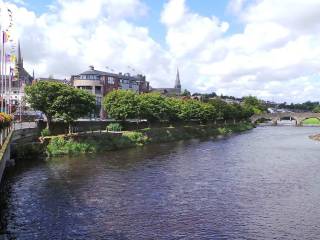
x,y
20,61
177,83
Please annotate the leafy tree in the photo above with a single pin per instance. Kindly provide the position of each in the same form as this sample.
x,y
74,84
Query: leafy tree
x,y
255,104
152,107
42,95
173,106
186,93
121,104
72,104
317,109
190,110
207,112
220,106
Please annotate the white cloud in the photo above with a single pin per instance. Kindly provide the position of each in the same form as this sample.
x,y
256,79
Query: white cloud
x,y
276,56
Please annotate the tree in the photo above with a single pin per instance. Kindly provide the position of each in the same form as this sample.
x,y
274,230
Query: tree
x,y
220,106
317,109
42,95
72,103
121,104
186,93
152,107
255,104
190,110
173,106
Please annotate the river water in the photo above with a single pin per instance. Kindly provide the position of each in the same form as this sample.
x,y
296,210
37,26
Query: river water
x,y
263,184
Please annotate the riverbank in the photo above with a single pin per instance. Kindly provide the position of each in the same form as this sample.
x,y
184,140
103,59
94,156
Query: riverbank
x,y
104,141
315,137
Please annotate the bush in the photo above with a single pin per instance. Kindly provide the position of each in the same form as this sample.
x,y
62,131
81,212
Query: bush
x,y
5,120
115,127
136,138
62,146
45,132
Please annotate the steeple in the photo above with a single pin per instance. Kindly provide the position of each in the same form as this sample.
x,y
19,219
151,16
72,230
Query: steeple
x,y
177,83
19,59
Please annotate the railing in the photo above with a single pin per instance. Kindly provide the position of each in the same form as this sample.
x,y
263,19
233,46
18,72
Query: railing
x,y
24,125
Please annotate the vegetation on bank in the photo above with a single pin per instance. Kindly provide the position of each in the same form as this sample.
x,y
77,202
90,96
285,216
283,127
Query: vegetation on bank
x,y
5,120
70,145
311,121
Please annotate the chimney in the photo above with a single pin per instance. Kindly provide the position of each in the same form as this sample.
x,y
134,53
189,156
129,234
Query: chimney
x,y
91,67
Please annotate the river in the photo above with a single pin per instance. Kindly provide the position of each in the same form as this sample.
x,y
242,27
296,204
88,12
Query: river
x,y
263,184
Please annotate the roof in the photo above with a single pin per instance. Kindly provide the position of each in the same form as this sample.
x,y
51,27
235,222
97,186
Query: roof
x,y
94,72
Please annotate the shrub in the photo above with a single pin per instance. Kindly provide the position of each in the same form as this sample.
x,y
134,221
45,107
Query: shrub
x,y
116,127
62,146
5,120
136,138
45,132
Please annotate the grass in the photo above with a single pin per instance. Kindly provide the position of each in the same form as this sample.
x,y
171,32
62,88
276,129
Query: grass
x,y
311,121
61,145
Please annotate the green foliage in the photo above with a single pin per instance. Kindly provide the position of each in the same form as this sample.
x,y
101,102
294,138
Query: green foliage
x,y
316,109
45,132
121,104
59,100
312,121
152,106
62,146
254,104
137,138
115,127
106,142
186,93
72,104
306,106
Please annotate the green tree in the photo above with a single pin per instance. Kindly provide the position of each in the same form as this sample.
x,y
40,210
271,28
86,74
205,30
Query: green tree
x,y
173,106
152,106
255,104
316,109
42,95
220,106
207,112
121,104
190,110
186,93
72,103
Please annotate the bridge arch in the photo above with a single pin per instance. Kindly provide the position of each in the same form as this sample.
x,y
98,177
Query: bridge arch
x,y
309,117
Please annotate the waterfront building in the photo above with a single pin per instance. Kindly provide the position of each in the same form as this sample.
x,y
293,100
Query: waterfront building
x,y
175,91
100,83
15,82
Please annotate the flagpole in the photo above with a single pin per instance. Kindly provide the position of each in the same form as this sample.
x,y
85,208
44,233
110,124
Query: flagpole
x,y
2,75
5,84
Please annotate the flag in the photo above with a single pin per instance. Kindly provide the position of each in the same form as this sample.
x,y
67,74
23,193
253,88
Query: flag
x,y
13,58
8,57
5,37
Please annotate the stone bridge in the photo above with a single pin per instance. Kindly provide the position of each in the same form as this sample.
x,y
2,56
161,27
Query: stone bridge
x,y
22,133
275,117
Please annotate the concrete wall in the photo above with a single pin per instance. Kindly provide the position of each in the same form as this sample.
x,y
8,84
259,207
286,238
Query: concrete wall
x,y
5,154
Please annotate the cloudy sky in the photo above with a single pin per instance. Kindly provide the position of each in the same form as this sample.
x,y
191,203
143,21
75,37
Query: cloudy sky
x,y
267,48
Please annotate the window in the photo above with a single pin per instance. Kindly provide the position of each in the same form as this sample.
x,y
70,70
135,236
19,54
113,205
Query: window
x,y
110,80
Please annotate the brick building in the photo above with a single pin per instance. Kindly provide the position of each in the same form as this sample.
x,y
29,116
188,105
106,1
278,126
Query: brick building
x,y
101,83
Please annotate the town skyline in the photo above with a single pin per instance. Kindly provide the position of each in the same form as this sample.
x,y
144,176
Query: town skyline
x,y
230,47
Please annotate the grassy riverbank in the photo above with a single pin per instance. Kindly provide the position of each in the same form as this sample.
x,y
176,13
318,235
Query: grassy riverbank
x,y
70,145
312,121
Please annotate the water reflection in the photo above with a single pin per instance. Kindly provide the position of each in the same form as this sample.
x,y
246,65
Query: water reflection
x,y
260,185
